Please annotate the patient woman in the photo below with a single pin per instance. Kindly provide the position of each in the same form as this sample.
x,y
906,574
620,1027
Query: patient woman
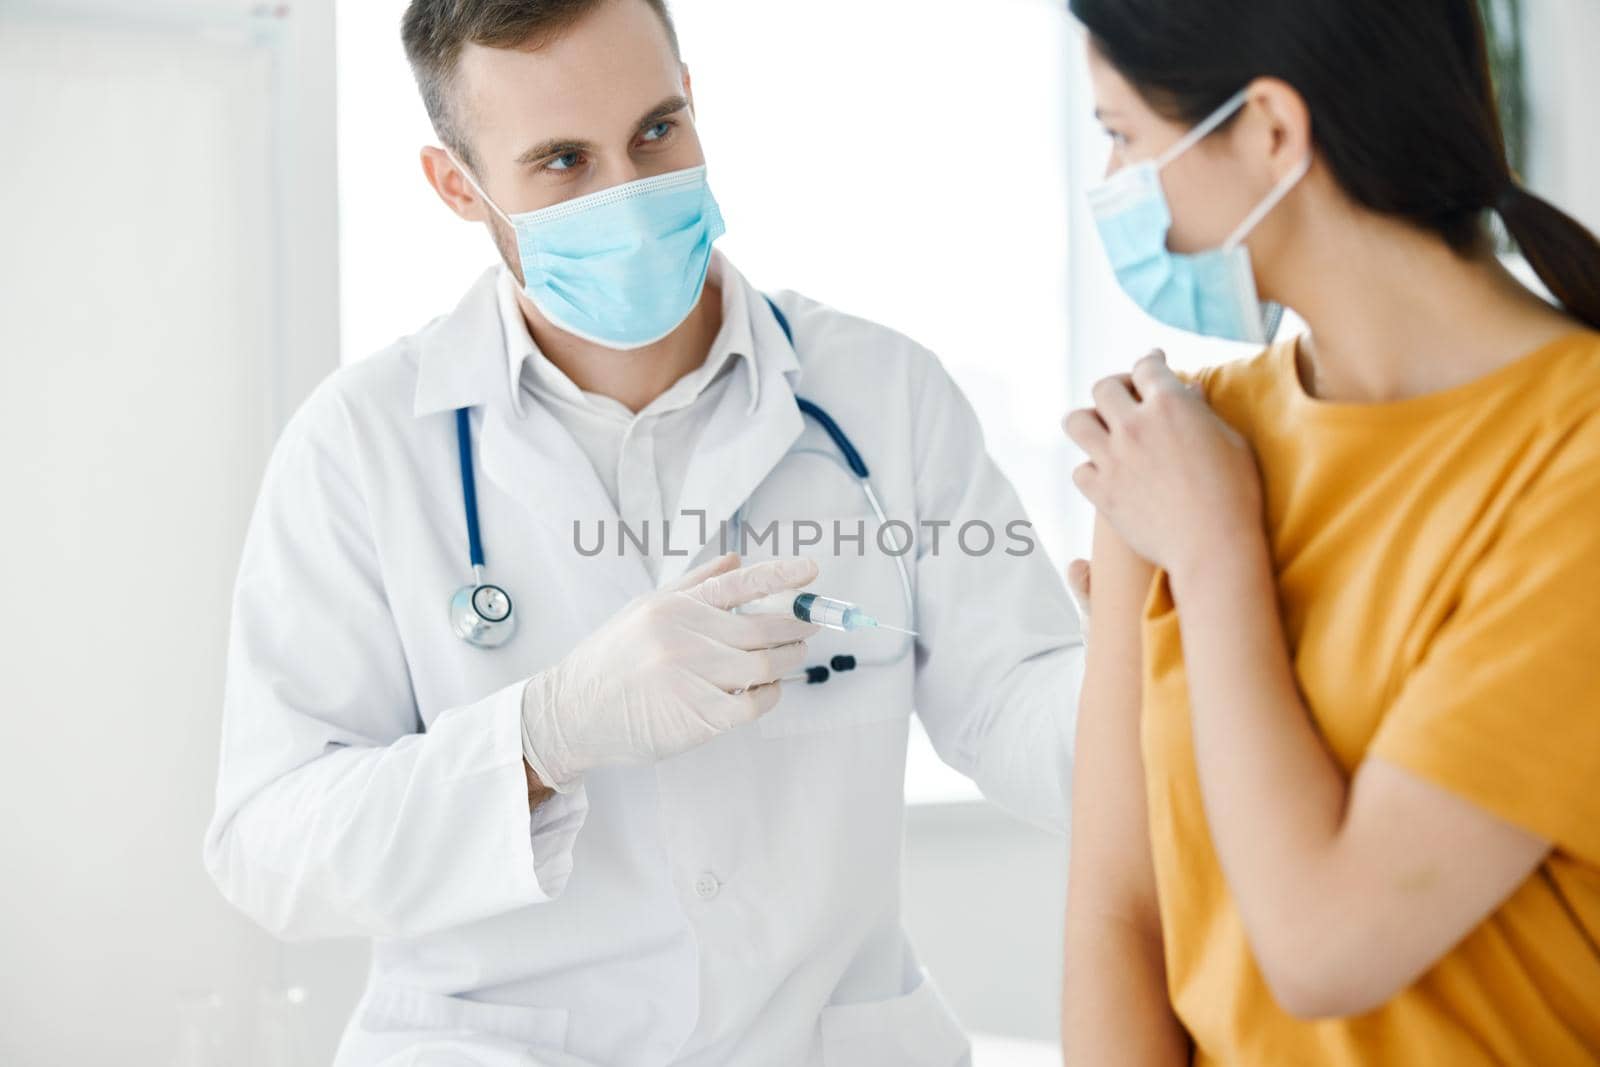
x,y
1338,787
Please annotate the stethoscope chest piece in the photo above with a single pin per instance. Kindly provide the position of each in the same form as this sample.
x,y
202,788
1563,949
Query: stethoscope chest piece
x,y
481,615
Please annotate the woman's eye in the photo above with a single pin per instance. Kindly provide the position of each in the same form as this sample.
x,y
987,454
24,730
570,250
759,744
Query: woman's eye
x,y
565,161
658,131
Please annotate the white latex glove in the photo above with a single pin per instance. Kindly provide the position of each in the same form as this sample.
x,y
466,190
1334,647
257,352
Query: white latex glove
x,y
667,673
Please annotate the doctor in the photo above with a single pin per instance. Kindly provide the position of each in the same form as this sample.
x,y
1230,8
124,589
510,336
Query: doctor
x,y
601,830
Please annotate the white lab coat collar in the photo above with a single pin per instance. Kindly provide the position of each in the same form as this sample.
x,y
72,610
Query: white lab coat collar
x,y
461,356
734,341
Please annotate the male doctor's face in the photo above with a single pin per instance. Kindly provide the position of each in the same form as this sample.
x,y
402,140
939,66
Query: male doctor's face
x,y
603,103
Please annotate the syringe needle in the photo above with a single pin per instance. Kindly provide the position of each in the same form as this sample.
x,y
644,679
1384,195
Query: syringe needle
x,y
898,630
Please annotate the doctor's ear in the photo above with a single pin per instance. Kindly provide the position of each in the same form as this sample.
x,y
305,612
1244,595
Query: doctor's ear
x,y
452,185
1280,127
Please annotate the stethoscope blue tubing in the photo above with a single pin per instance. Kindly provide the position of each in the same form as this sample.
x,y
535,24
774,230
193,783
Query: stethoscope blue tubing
x,y
858,466
469,485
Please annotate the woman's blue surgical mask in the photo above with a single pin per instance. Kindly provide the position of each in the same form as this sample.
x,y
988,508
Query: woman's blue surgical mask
x,y
623,267
1211,293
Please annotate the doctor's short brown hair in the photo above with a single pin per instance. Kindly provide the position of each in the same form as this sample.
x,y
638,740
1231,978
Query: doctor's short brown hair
x,y
434,32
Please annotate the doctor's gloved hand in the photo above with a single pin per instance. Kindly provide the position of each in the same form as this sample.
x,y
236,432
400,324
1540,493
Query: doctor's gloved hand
x,y
667,673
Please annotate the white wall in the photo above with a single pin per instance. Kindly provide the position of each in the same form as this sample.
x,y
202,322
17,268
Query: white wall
x,y
144,332
985,900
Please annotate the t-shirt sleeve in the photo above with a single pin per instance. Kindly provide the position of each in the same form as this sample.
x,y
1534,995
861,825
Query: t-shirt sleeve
x,y
1503,708
1196,378
1200,380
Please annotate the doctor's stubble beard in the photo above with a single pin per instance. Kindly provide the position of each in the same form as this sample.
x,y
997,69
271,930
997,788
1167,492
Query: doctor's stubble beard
x,y
505,242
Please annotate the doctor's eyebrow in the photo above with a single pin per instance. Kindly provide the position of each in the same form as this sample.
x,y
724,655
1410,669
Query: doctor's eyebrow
x,y
556,146
560,146
670,106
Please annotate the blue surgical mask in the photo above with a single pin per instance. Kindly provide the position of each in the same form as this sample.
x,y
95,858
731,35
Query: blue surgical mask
x,y
1211,293
623,267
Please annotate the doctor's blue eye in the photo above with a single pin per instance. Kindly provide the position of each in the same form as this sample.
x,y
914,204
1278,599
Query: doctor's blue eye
x,y
565,161
658,131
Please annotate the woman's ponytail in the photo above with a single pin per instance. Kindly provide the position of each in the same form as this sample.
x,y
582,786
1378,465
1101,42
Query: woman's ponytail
x,y
1564,254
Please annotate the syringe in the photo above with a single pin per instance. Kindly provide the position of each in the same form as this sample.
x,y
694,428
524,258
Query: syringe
x,y
822,611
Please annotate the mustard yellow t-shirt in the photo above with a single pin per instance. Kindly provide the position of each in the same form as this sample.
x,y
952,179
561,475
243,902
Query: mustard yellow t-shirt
x,y
1438,569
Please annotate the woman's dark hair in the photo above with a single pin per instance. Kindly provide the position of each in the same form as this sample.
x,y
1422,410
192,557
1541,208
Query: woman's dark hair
x,y
1402,108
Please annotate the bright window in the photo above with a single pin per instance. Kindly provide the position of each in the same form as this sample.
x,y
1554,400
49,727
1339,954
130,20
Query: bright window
x,y
904,160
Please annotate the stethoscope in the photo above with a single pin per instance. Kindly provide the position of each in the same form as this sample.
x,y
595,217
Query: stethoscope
x,y
482,613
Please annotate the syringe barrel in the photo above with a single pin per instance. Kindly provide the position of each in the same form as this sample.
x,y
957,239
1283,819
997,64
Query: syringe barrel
x,y
823,611
807,607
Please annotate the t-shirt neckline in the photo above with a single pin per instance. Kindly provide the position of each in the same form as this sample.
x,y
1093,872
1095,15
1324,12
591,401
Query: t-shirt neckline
x,y
1308,406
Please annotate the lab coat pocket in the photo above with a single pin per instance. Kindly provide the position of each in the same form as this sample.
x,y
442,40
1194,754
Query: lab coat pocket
x,y
913,1030
391,1009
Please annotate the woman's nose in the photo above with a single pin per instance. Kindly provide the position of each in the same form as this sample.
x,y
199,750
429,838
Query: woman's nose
x,y
1113,162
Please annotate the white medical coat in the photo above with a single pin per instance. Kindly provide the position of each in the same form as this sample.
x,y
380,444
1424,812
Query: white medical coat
x,y
738,904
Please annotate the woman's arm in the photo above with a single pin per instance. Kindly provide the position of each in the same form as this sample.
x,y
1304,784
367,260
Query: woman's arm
x,y
1115,1007
1348,892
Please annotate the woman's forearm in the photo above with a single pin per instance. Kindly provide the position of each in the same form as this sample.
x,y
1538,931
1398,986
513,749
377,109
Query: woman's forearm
x,y
1115,1008
1274,796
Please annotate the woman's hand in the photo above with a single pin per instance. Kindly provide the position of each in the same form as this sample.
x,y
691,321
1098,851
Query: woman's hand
x,y
1174,480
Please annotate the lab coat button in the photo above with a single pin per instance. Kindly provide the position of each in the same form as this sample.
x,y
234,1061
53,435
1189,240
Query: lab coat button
x,y
706,886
